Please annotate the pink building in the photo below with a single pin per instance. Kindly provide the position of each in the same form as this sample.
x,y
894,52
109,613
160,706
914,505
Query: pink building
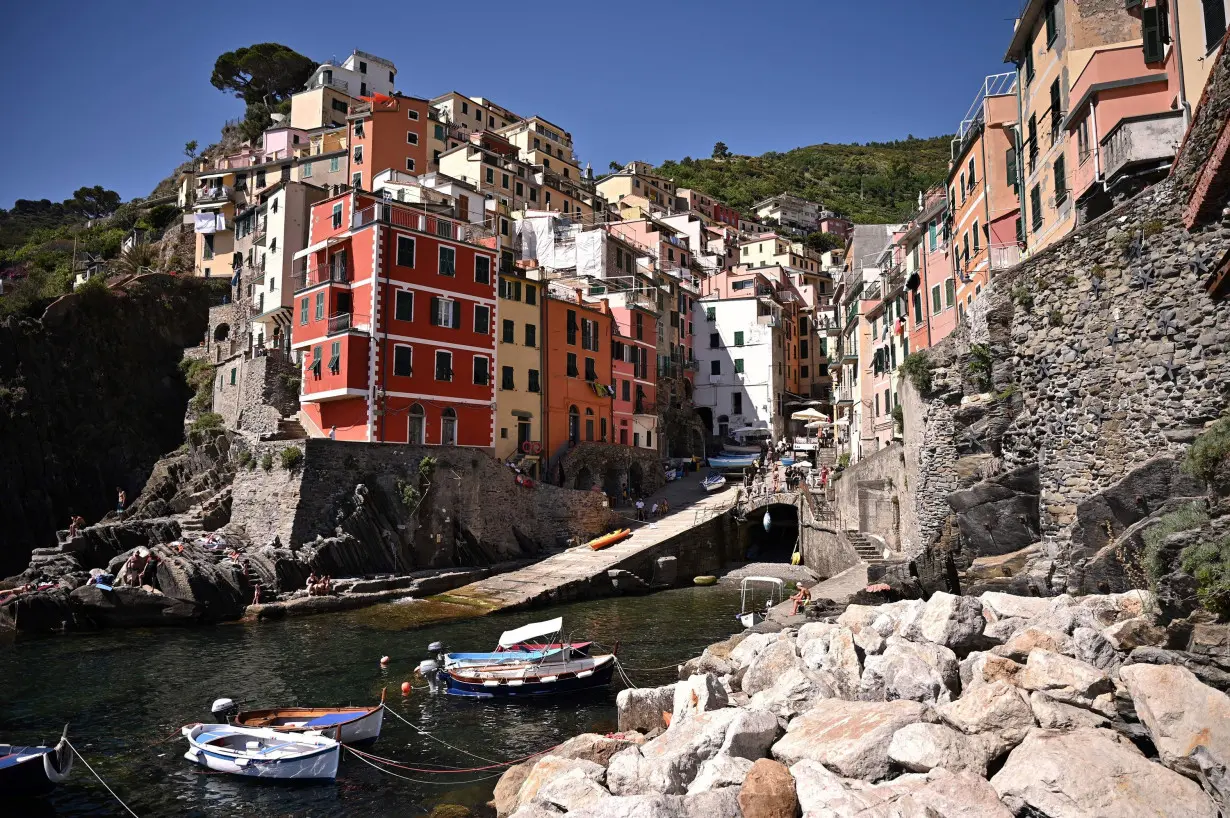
x,y
633,360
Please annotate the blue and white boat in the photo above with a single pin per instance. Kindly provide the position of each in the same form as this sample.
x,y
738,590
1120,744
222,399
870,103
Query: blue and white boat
x,y
713,481
28,770
262,752
732,461
524,644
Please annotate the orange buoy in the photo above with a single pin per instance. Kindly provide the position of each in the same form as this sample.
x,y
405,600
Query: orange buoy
x,y
405,688
384,661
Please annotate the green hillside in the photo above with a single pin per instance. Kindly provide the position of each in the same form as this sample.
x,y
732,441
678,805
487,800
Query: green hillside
x,y
872,183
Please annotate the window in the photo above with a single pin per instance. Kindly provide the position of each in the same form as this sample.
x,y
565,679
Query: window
x,y
949,292
444,365
572,327
337,215
1011,170
412,114
448,427
531,335
335,164
532,385
490,176
481,370
403,309
1082,141
739,365
972,179
1056,110
591,369
1214,23
1029,64
444,229
1035,207
531,295
482,269
362,69
964,250
626,390
804,350
417,426
1032,139
448,261
918,315
303,311
715,340
739,338
1061,182
977,242
482,319
572,365
445,313
509,330
339,106
736,403
1052,24
506,377
307,170
234,369
403,360
358,154
964,189
405,251
412,138
715,367
504,180
320,306
410,165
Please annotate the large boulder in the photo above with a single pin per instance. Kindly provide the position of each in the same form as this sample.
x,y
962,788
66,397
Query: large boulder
x,y
841,660
552,768
750,734
1139,631
720,771
1006,606
571,791
1032,638
768,792
719,803
936,794
591,747
699,694
742,654
795,692
1055,715
769,665
506,799
1086,773
1092,648
999,515
998,711
850,738
922,747
955,622
921,671
982,668
1066,679
667,764
641,708
1182,715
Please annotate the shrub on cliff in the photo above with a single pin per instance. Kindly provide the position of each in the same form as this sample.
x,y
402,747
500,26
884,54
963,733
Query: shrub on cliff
x,y
292,458
1209,563
1181,519
199,374
1209,456
917,367
207,421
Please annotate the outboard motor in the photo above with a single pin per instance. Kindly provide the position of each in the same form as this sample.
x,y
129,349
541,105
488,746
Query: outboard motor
x,y
437,650
429,669
223,709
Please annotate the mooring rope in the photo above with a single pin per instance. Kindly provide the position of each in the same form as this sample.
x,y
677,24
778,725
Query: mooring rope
x,y
418,780
450,771
422,732
100,779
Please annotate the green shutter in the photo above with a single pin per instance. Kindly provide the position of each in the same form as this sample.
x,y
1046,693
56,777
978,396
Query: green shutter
x,y
456,315
1152,33
1010,163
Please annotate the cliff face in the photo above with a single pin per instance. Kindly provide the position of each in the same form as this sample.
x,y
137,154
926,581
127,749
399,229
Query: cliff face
x,y
90,397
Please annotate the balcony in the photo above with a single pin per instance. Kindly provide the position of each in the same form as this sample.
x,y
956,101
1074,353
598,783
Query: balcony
x,y
845,397
1004,256
302,276
329,82
260,232
340,322
212,195
768,320
1142,141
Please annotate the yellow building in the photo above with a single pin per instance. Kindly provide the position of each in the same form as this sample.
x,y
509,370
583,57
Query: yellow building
x,y
542,142
1200,29
518,364
1053,42
320,107
213,211
771,249
639,179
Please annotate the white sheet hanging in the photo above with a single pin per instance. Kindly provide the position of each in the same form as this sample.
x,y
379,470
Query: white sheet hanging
x,y
205,223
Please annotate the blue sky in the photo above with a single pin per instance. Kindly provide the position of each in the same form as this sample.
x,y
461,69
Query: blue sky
x,y
114,95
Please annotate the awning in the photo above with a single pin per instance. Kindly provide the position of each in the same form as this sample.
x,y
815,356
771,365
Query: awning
x,y
808,414
535,629
521,413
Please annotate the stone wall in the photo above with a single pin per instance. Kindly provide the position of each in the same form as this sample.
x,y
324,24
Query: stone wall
x,y
930,473
868,496
260,396
825,549
469,511
609,467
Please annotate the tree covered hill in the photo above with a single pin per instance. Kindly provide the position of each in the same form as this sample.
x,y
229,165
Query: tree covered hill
x,y
872,183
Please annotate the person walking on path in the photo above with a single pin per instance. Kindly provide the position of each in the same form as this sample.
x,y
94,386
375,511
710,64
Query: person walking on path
x,y
640,510
121,499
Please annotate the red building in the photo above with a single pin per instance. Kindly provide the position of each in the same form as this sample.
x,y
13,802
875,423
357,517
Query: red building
x,y
394,324
725,214
634,360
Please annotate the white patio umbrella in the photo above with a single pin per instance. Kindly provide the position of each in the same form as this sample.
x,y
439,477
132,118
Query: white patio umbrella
x,y
808,414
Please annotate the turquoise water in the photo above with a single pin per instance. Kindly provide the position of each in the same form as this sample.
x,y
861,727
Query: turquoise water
x,y
124,693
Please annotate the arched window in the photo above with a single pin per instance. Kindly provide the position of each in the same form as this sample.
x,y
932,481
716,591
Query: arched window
x,y
418,425
574,425
448,427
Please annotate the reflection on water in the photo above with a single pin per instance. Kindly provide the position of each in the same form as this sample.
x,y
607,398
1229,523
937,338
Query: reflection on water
x,y
126,693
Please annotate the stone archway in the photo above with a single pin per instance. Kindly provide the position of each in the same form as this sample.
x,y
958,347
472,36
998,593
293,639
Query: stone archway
x,y
584,479
636,479
612,483
222,332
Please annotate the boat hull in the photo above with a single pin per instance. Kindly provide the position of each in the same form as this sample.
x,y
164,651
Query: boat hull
x,y
349,726
749,620
456,682
29,771
316,762
719,462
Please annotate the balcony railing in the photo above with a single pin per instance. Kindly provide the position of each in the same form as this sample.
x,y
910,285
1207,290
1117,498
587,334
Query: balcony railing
x,y
421,220
1142,140
309,276
225,193
340,322
1004,256
768,320
340,85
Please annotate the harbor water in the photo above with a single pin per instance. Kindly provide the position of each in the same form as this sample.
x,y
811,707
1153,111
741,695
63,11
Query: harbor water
x,y
125,694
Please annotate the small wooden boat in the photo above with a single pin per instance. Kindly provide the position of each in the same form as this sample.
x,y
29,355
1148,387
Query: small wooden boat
x,y
749,614
34,770
732,462
262,752
552,676
598,543
713,481
349,725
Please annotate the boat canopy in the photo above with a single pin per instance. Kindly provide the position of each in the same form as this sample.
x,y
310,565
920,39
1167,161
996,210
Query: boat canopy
x,y
535,629
749,581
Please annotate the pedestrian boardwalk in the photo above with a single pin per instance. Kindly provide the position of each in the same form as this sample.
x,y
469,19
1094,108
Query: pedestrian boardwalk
x,y
690,507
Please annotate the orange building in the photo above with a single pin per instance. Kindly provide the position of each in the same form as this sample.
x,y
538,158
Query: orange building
x,y
578,382
387,132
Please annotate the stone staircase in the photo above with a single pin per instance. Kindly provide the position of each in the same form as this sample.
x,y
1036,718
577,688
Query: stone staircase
x,y
195,521
868,551
289,429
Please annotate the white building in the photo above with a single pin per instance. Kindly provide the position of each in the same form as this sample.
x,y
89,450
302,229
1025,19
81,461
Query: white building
x,y
361,75
741,354
789,211
280,228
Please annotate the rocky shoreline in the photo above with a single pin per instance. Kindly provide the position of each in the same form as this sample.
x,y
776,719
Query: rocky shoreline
x,y
997,705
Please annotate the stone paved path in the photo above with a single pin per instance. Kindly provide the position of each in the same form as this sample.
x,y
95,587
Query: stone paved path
x,y
690,507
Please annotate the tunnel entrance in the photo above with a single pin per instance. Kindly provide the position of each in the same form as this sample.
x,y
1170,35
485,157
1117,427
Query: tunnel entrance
x,y
777,543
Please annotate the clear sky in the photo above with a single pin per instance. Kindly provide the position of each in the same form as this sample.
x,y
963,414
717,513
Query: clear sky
x,y
108,92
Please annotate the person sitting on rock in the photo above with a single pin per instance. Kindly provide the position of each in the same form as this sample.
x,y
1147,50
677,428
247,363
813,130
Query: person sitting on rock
x,y
311,582
800,599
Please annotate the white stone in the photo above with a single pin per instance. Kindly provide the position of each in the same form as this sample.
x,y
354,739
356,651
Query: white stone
x,y
1182,714
842,661
997,709
955,622
1064,678
570,791
813,631
641,708
850,738
720,771
769,665
1010,605
745,651
699,694
1055,715
795,692
923,672
922,747
1032,637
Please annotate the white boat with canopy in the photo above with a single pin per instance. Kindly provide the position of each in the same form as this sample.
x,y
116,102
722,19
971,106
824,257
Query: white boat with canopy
x,y
774,593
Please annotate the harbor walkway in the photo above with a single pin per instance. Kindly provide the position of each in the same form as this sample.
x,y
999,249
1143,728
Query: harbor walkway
x,y
690,507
